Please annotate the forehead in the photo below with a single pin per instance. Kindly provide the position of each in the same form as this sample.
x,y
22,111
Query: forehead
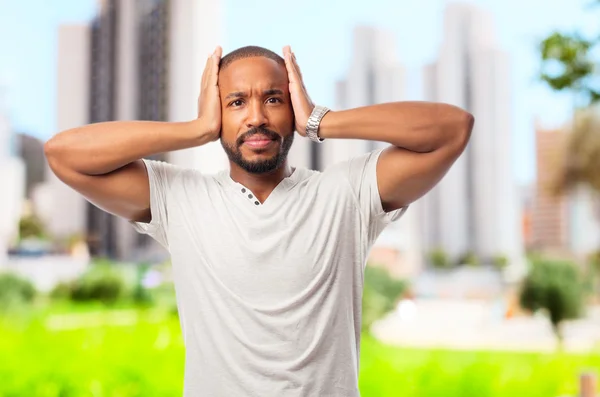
x,y
252,72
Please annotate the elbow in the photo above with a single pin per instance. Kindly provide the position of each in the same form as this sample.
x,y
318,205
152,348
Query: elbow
x,y
51,151
463,128
467,126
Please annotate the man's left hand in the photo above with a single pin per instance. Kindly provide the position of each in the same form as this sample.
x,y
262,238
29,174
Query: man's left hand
x,y
301,102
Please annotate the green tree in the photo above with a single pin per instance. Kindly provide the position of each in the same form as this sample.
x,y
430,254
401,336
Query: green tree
x,y
469,258
500,261
556,288
380,293
15,291
31,226
569,64
438,258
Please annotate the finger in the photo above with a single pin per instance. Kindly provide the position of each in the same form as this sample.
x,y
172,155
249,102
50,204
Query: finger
x,y
295,62
286,49
297,67
206,71
292,73
216,58
297,71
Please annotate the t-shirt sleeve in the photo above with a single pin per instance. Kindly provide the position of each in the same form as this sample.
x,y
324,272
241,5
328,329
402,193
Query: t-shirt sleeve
x,y
161,177
361,172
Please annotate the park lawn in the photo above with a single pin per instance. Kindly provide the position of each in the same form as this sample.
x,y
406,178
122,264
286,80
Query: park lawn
x,y
405,372
131,353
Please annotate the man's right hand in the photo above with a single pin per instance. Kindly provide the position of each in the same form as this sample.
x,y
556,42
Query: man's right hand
x,y
209,101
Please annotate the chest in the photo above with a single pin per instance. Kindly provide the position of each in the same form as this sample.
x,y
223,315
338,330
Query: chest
x,y
272,251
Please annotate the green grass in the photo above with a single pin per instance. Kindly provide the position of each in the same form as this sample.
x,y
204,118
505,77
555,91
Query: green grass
x,y
131,353
391,371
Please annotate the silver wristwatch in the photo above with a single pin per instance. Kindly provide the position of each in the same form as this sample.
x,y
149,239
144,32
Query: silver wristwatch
x,y
312,125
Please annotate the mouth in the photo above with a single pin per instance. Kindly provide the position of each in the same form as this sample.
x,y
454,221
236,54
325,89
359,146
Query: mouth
x,y
258,141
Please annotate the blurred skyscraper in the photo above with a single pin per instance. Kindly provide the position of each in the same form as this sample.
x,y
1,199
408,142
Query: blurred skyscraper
x,y
31,151
144,60
147,62
474,209
375,75
61,209
562,223
12,176
549,223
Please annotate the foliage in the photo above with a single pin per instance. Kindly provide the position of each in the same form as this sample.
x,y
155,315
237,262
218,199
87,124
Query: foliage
x,y
569,63
556,287
500,261
142,295
468,258
102,283
380,294
15,290
31,226
582,158
438,258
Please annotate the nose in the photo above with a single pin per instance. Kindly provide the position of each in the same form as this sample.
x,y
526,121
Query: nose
x,y
256,115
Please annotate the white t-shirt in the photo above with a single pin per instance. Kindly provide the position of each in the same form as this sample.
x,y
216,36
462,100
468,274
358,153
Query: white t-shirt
x,y
269,294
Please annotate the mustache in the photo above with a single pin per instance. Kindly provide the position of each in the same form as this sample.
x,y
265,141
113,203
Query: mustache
x,y
257,130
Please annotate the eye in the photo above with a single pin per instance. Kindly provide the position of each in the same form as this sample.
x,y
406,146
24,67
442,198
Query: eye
x,y
237,102
274,100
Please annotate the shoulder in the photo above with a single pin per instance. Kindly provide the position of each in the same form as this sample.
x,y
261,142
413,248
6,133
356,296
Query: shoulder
x,y
175,177
356,168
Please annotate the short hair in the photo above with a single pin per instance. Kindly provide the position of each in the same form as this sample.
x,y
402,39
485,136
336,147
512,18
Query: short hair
x,y
248,52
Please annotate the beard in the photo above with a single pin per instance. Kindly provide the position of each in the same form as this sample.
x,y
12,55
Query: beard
x,y
260,166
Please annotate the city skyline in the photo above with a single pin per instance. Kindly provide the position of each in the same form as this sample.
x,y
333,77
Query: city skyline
x,y
474,208
29,68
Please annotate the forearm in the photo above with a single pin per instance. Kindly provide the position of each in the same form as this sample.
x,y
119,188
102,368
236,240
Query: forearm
x,y
416,126
100,148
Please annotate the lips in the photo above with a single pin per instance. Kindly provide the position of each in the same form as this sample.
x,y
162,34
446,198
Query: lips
x,y
258,138
258,141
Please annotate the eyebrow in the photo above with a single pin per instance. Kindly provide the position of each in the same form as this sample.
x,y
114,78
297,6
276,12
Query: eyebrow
x,y
241,94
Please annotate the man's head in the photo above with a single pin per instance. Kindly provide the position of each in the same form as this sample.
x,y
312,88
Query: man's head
x,y
257,128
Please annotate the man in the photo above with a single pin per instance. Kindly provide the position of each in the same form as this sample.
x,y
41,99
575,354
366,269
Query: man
x,y
268,258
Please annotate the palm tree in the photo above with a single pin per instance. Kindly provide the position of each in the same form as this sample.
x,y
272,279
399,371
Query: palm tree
x,y
568,65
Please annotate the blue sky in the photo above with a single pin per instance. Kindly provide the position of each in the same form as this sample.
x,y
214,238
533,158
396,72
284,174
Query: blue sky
x,y
320,34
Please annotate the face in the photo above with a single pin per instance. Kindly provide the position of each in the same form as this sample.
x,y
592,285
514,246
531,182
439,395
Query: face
x,y
257,128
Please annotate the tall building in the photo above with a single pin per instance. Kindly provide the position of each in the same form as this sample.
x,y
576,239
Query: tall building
x,y
194,32
561,222
474,209
61,208
374,76
31,151
147,58
549,223
12,177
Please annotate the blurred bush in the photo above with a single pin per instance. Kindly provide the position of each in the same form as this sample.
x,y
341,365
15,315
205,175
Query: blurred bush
x,y
380,294
438,258
101,283
556,288
500,261
31,226
468,259
141,295
15,291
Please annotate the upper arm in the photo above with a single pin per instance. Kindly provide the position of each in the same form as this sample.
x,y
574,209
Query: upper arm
x,y
124,192
403,176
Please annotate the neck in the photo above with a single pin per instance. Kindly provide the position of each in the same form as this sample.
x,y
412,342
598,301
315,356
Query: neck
x,y
261,185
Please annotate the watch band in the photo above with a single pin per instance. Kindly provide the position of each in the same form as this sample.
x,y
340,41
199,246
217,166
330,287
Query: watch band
x,y
312,125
